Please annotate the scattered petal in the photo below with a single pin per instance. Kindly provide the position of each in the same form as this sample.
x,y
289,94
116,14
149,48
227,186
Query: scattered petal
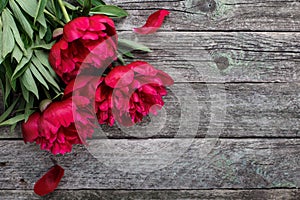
x,y
153,23
49,181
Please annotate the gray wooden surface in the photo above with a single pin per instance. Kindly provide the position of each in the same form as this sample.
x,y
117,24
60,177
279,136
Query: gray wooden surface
x,y
230,126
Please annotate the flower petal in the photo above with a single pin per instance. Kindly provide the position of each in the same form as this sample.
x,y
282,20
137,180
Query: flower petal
x,y
166,79
49,181
120,76
153,23
30,129
143,68
75,29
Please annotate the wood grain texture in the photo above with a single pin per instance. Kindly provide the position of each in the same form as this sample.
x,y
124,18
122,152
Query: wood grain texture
x,y
199,15
274,194
159,164
223,57
203,110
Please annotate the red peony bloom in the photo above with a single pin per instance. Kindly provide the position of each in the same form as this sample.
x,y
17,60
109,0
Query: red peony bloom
x,y
126,94
137,91
87,42
97,91
56,128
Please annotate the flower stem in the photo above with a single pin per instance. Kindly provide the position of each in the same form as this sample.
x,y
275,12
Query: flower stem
x,y
53,17
64,11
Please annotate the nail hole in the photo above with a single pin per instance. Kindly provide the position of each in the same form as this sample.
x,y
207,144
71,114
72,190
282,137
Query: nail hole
x,y
22,180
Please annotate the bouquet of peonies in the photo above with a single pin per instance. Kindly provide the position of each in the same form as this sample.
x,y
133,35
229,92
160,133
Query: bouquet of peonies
x,y
63,73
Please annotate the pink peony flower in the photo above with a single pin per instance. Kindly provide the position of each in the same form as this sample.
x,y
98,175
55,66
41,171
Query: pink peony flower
x,y
87,43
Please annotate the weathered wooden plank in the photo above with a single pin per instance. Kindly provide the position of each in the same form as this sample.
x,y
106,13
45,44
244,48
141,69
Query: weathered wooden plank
x,y
200,15
159,164
223,57
230,110
258,194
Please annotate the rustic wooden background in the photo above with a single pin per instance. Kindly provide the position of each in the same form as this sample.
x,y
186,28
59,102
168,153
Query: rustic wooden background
x,y
236,67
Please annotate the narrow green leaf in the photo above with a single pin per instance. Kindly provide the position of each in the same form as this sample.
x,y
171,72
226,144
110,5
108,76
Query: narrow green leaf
x,y
40,9
131,45
28,108
121,59
38,75
8,40
21,18
9,110
22,66
42,32
10,20
109,10
17,54
3,4
94,2
13,120
125,52
1,35
43,46
98,2
87,4
45,73
8,74
8,89
43,58
29,6
28,81
25,92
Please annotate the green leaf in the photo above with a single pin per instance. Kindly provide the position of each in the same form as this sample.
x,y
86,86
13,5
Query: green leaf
x,y
44,46
121,59
17,54
29,83
43,58
7,91
125,52
8,40
87,4
21,18
29,6
109,10
10,20
38,75
1,35
3,5
22,66
25,92
131,45
13,120
94,2
45,73
28,108
9,110
40,9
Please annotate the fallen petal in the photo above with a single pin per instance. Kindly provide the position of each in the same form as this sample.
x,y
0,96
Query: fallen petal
x,y
49,182
153,23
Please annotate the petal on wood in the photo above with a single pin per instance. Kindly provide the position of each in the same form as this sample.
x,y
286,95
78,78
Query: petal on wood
x,y
49,182
153,23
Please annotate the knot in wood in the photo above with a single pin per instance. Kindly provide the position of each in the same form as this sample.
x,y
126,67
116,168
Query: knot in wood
x,y
202,5
222,62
